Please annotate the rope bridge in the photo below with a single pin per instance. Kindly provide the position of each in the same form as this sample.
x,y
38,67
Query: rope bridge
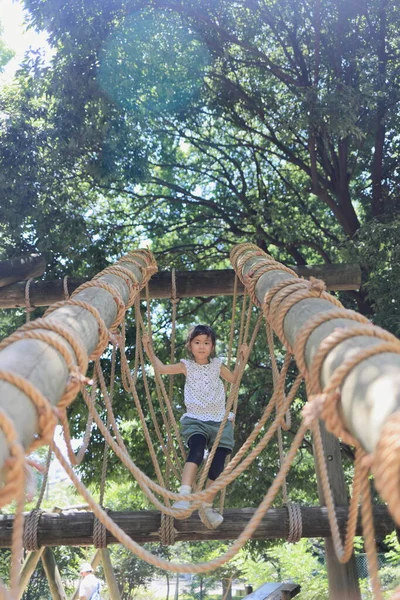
x,y
341,357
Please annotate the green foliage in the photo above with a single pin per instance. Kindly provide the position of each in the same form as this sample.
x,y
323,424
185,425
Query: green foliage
x,y
377,248
131,572
152,62
6,53
297,562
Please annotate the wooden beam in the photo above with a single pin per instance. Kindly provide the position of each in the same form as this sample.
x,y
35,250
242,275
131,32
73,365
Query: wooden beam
x,y
343,578
371,391
189,284
369,395
21,269
76,528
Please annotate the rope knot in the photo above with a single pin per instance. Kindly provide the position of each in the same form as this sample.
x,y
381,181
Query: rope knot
x,y
115,339
313,409
317,285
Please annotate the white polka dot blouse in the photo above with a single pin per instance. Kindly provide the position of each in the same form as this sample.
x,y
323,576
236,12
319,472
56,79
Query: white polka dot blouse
x,y
204,392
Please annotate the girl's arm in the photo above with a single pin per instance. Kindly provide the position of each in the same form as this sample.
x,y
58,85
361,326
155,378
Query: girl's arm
x,y
173,369
231,376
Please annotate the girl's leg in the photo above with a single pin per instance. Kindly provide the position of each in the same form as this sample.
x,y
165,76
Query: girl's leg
x,y
189,473
212,517
217,465
197,444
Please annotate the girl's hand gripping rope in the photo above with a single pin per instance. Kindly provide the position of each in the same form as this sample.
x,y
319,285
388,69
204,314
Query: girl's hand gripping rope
x,y
147,345
244,352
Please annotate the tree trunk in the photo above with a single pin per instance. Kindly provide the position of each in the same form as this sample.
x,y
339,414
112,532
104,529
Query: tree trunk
x,y
227,589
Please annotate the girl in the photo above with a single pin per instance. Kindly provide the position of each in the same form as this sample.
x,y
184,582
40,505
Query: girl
x,y
204,397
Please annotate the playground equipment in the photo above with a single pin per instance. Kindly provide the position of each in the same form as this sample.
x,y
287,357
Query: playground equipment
x,y
350,367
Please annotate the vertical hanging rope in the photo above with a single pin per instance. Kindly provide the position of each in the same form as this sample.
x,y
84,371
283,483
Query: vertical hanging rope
x,y
28,307
170,441
65,287
233,321
110,396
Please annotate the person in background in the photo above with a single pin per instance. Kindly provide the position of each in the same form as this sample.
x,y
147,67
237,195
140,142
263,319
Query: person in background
x,y
89,587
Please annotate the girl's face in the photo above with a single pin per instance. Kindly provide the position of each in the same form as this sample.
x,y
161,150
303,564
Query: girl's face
x,y
201,347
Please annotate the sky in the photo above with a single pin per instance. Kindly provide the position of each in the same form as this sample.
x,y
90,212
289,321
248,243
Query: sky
x,y
16,36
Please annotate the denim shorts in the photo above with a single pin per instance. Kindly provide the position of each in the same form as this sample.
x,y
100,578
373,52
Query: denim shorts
x,y
209,429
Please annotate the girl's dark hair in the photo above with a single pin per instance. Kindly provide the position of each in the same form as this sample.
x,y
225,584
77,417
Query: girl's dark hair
x,y
200,330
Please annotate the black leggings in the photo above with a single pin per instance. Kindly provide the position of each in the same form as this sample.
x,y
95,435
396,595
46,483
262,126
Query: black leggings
x,y
197,445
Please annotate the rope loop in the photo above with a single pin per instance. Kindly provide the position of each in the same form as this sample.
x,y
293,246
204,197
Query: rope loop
x,y
31,525
103,331
31,330
167,530
295,522
113,291
385,465
100,531
128,276
15,474
65,287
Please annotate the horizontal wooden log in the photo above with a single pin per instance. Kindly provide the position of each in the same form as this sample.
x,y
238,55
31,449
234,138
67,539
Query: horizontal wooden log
x,y
75,528
370,393
44,367
21,269
188,283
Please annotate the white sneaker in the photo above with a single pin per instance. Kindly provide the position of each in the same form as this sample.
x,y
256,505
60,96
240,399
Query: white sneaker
x,y
213,517
181,504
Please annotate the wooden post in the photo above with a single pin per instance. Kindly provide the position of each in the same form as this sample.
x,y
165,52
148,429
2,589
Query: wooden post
x,y
27,569
53,575
343,578
188,284
112,585
373,383
43,366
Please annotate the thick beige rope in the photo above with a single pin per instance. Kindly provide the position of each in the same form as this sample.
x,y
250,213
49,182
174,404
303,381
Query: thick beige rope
x,y
179,567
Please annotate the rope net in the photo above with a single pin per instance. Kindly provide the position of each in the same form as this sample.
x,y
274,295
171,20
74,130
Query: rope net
x,y
121,285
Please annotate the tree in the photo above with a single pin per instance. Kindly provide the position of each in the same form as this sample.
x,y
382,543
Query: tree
x,y
6,53
253,122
